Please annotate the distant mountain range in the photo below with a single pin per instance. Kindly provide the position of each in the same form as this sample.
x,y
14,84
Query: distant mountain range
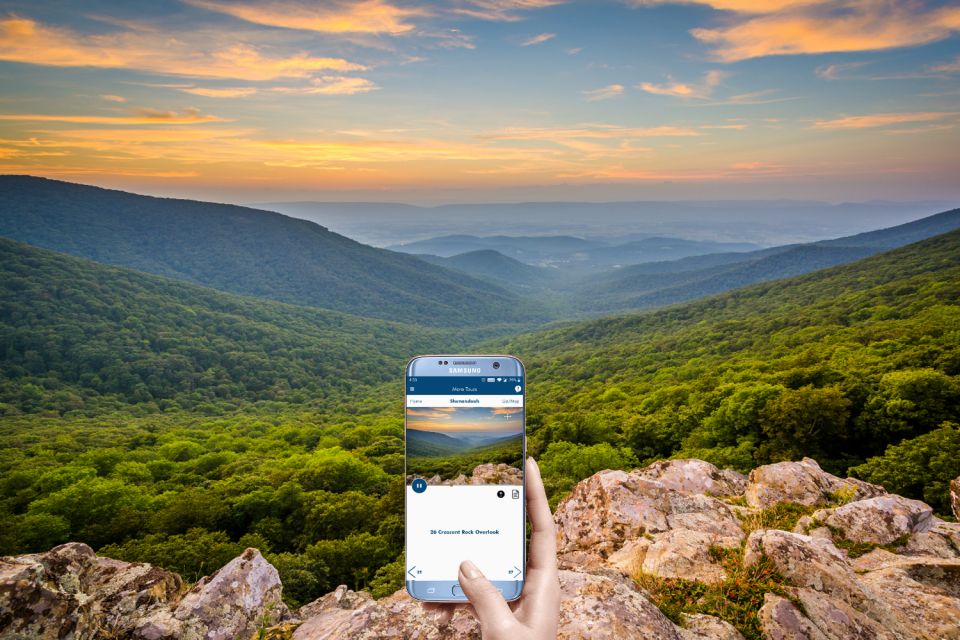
x,y
657,284
421,443
248,251
765,222
567,252
495,284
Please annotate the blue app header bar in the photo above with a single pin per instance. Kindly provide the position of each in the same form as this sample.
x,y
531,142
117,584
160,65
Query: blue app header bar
x,y
473,386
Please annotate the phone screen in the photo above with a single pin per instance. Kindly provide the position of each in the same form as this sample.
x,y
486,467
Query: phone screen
x,y
464,481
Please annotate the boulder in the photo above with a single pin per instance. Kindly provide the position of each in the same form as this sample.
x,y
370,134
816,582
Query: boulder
x,y
350,615
879,520
591,606
695,477
703,627
70,592
780,619
837,620
921,598
683,553
809,562
235,602
602,608
802,482
612,508
496,474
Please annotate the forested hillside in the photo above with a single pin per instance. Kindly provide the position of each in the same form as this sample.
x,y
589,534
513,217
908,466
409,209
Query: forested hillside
x,y
836,365
78,336
247,251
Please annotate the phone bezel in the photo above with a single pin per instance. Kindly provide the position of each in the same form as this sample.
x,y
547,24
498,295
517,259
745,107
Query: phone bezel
x,y
510,589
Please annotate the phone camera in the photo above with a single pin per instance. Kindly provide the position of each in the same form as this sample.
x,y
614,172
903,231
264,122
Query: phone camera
x,y
496,365
501,493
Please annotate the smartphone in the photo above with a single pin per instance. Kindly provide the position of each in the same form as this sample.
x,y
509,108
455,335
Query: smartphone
x,y
464,457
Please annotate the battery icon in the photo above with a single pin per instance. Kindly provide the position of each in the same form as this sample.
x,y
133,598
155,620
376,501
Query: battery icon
x,y
491,379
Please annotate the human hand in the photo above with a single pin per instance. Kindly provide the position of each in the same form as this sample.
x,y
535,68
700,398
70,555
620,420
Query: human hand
x,y
536,614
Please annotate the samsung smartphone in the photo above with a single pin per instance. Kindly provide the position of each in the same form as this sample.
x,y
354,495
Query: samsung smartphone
x,y
465,451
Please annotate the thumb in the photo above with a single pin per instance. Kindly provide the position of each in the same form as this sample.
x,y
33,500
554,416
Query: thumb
x,y
491,608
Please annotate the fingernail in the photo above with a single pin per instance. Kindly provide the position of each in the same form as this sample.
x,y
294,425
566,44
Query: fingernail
x,y
470,570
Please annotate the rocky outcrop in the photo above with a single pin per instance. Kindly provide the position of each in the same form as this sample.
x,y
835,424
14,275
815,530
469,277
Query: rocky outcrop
x,y
803,483
879,520
235,602
612,509
617,532
500,473
70,592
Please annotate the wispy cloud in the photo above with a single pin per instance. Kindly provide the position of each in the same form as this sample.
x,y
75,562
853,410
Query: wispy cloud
x,y
703,89
368,16
864,25
946,67
112,98
883,119
27,41
501,10
538,39
141,116
837,71
742,6
590,131
220,92
604,93
332,85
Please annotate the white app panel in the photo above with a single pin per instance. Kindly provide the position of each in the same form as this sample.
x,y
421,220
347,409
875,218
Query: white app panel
x,y
449,524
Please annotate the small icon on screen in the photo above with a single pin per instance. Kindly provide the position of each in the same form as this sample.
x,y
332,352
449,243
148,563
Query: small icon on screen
x,y
501,493
499,379
515,494
491,379
419,485
518,388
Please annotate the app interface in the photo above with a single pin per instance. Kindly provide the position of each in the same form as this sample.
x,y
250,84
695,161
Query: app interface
x,y
465,499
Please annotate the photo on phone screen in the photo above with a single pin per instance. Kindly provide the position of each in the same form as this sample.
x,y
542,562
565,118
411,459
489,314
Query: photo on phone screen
x,y
465,448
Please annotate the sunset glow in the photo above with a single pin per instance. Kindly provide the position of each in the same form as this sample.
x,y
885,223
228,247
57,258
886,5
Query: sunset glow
x,y
383,99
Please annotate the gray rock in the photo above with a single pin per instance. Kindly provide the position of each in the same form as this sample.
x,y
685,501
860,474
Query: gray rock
x,y
802,482
703,627
695,477
879,520
70,592
591,607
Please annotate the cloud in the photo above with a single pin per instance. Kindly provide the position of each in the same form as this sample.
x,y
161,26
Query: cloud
x,y
369,16
332,85
883,119
946,67
740,6
30,42
855,25
703,89
220,92
589,131
501,10
573,51
604,93
538,39
142,116
112,98
450,39
836,71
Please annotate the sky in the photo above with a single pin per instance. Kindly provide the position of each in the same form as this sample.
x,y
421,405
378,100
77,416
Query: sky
x,y
483,100
467,421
